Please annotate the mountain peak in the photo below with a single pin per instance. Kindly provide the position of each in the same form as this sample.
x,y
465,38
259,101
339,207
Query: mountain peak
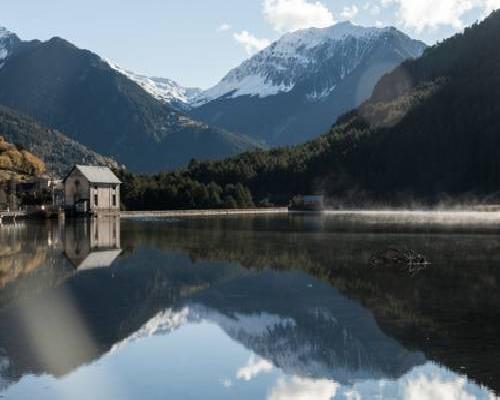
x,y
163,89
297,56
339,31
8,41
4,32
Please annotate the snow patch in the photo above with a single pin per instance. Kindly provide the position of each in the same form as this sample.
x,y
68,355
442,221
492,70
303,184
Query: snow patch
x,y
316,96
163,89
162,324
313,37
170,320
250,85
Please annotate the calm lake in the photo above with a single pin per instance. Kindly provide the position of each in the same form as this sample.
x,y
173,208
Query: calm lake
x,y
264,307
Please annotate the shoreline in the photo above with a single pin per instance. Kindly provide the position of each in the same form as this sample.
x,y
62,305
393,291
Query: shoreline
x,y
202,213
442,214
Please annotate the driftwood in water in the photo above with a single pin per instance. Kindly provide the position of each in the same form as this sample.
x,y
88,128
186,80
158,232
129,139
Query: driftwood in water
x,y
400,257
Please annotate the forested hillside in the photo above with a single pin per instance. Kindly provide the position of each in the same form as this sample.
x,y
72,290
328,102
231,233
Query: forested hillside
x,y
431,131
78,93
58,151
16,162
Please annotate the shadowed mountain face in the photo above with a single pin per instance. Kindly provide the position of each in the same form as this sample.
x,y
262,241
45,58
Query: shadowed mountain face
x,y
58,151
295,292
78,93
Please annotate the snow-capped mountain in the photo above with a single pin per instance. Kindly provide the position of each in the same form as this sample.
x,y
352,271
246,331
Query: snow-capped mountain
x,y
323,335
77,92
8,41
163,89
300,84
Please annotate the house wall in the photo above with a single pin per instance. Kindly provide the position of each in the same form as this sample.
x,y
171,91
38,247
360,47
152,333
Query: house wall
x,y
105,196
76,187
105,233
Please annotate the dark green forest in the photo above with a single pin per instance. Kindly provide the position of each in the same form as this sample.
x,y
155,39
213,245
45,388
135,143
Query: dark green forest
x,y
429,133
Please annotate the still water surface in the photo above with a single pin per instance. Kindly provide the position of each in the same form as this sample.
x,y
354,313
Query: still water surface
x,y
278,308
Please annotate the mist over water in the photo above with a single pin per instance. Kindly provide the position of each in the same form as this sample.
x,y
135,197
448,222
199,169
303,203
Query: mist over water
x,y
420,217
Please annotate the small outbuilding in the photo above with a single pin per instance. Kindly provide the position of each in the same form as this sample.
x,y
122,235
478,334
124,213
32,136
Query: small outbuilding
x,y
92,190
308,203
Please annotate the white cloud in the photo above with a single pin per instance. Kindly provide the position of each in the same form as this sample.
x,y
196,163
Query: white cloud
x,y
374,9
291,15
379,24
253,368
227,383
431,14
425,388
303,389
350,12
224,28
490,6
387,3
251,43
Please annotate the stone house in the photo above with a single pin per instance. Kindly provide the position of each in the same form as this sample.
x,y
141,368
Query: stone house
x,y
92,190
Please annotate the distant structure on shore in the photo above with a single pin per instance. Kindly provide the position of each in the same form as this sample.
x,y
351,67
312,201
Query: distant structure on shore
x,y
91,190
314,203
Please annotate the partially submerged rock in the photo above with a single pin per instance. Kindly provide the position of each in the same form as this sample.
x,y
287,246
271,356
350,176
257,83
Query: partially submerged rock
x,y
392,256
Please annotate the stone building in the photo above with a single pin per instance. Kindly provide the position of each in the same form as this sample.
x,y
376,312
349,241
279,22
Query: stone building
x,y
92,190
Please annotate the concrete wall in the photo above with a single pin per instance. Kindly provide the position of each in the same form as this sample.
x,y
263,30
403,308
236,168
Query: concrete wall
x,y
104,194
203,213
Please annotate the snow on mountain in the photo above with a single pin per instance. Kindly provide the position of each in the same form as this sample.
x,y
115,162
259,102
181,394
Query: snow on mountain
x,y
7,42
170,320
163,89
299,55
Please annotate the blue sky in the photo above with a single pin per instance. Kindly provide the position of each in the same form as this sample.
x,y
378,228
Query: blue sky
x,y
197,41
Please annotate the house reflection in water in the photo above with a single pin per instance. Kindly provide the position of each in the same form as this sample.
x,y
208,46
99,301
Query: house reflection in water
x,y
92,243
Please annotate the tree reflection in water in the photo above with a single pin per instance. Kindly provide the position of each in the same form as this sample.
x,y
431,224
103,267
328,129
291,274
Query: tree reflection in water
x,y
295,296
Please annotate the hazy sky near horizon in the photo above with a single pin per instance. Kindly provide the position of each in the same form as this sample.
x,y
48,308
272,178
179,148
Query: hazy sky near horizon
x,y
196,42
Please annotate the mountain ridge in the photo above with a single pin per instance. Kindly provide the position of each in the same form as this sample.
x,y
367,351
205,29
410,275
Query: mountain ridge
x,y
77,92
298,86
163,89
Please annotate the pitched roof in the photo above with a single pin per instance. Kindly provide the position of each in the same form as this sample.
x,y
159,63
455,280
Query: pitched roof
x,y
99,259
95,174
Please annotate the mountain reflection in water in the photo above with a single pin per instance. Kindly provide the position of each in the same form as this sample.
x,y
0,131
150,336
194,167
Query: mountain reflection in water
x,y
247,308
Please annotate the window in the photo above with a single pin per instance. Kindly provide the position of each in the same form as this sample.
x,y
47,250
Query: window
x,y
114,200
96,200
